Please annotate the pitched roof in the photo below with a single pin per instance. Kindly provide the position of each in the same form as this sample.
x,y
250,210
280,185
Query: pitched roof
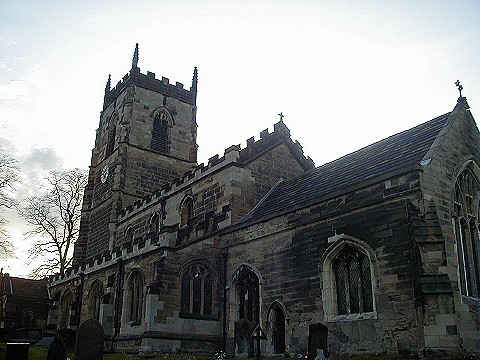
x,y
397,153
26,287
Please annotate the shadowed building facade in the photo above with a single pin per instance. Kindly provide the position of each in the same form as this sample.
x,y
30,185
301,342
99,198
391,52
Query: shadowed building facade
x,y
374,252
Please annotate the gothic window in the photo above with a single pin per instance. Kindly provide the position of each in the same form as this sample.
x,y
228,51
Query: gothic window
x,y
276,321
111,140
65,307
28,319
160,132
197,291
155,223
135,297
248,295
129,236
96,295
186,210
466,212
353,282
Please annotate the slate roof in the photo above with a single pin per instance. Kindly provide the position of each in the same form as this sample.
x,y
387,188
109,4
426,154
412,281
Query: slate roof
x,y
27,288
397,153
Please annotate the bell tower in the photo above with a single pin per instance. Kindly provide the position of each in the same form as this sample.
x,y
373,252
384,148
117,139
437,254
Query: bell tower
x,y
146,137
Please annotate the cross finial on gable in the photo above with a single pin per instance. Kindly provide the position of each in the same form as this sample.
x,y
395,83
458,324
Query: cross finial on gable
x,y
459,86
281,116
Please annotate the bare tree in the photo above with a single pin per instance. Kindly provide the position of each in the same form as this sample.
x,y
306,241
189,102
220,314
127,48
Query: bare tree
x,y
54,220
8,178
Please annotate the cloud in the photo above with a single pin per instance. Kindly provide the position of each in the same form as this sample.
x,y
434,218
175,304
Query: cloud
x,y
14,89
35,79
4,66
44,159
35,167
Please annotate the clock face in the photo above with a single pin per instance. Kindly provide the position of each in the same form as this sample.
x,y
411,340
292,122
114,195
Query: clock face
x,y
104,175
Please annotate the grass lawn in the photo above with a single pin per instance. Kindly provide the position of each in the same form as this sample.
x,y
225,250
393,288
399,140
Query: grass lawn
x,y
39,353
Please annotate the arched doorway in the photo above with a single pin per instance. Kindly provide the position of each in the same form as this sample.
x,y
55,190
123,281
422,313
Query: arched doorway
x,y
277,323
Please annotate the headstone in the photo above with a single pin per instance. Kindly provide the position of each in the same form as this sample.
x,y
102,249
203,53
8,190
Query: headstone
x,y
57,349
243,341
89,345
317,339
16,351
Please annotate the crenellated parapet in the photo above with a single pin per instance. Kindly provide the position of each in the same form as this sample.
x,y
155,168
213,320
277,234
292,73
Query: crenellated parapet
x,y
150,82
268,140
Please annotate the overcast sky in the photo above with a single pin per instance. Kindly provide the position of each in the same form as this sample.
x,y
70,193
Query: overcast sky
x,y
344,73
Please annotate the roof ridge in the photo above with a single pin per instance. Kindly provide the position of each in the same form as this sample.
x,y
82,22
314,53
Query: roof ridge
x,y
384,139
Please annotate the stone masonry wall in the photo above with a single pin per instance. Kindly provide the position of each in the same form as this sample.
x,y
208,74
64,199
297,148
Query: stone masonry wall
x,y
262,174
288,250
451,328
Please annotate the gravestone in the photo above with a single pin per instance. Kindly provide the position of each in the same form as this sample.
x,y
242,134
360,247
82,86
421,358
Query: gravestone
x,y
16,351
243,340
317,339
89,345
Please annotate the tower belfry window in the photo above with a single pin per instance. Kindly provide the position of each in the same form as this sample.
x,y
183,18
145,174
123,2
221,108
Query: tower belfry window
x,y
160,132
111,140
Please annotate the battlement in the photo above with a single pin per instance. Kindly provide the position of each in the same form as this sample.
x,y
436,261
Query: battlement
x,y
149,81
110,258
232,155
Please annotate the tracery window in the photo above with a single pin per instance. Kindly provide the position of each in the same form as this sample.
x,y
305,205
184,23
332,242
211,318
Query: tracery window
x,y
465,220
353,282
248,295
135,297
197,291
96,296
160,132
28,319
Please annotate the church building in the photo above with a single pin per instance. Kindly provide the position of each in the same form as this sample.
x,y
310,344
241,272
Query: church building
x,y
376,252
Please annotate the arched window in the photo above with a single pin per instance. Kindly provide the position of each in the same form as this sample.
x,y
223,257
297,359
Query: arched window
x,y
186,210
96,296
248,295
197,291
160,132
135,297
111,140
276,320
65,307
129,236
465,220
28,319
155,223
347,272
353,282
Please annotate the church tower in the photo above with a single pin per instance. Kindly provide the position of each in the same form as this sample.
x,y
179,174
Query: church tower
x,y
146,138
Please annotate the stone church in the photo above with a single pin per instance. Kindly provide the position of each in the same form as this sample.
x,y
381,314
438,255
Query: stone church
x,y
376,252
